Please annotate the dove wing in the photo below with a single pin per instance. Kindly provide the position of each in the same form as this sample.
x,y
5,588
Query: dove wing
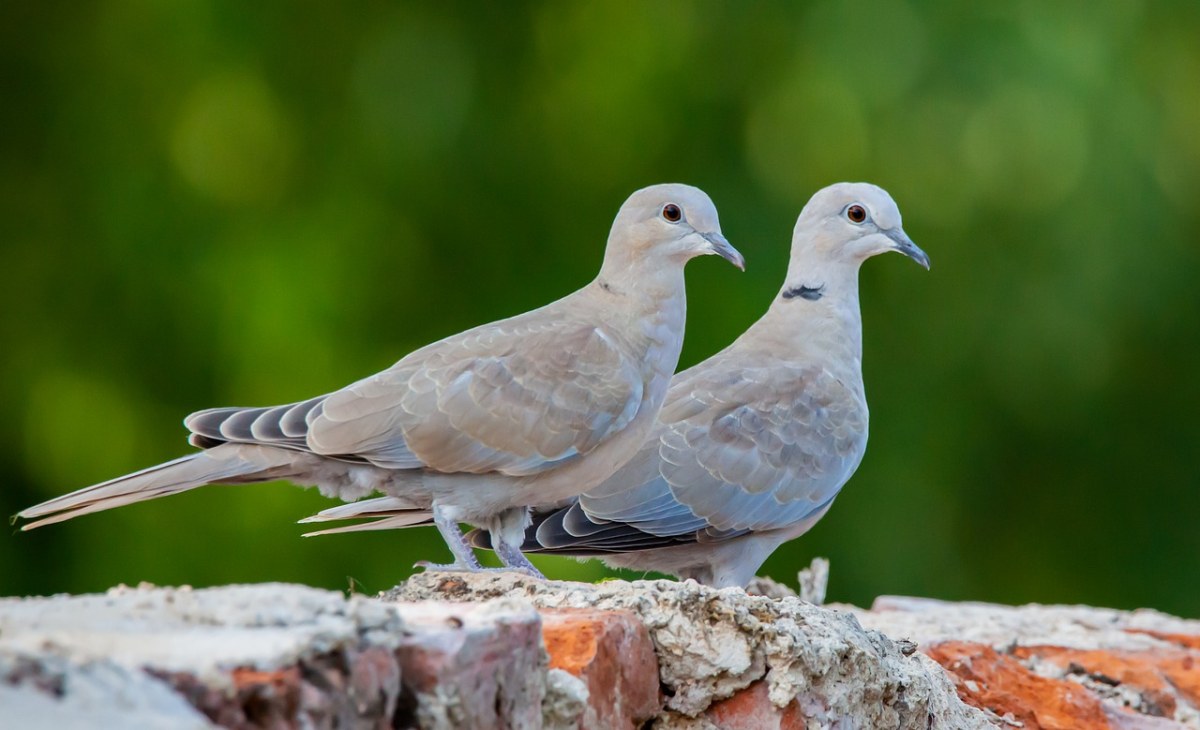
x,y
762,448
515,397
738,449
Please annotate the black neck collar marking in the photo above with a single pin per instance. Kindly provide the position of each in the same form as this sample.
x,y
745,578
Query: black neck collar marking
x,y
811,293
609,288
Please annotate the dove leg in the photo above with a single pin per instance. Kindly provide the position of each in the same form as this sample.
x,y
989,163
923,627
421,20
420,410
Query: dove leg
x,y
508,534
464,556
514,559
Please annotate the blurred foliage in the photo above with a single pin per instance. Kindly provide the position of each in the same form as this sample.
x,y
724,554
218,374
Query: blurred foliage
x,y
214,203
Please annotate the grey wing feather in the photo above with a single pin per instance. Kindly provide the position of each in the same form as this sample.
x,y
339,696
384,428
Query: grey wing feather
x,y
650,507
768,452
572,531
278,426
517,397
286,426
569,531
514,397
737,449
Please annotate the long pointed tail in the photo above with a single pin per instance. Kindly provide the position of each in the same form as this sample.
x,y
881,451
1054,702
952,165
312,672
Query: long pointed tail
x,y
225,463
384,513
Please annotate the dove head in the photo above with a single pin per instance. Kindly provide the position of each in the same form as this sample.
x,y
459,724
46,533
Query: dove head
x,y
663,226
851,222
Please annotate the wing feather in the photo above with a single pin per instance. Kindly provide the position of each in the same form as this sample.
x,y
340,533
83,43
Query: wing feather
x,y
768,452
512,398
516,397
737,449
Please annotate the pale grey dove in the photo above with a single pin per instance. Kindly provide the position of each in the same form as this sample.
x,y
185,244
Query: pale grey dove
x,y
753,444
528,410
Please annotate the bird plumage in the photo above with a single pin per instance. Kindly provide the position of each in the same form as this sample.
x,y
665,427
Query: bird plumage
x,y
527,410
754,444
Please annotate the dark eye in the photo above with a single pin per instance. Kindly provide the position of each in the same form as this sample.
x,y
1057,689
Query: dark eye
x,y
856,213
672,213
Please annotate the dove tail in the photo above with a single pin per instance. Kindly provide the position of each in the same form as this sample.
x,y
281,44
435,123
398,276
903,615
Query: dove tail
x,y
225,463
384,513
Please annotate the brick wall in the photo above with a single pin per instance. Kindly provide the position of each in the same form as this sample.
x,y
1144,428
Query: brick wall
x,y
500,650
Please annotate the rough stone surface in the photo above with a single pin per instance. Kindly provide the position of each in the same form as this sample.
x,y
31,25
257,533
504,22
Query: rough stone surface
x,y
1057,666
927,621
270,656
500,650
811,582
242,655
565,702
44,690
473,665
714,643
201,632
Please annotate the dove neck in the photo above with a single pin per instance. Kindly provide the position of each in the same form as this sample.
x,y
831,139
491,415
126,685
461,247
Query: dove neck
x,y
818,309
638,282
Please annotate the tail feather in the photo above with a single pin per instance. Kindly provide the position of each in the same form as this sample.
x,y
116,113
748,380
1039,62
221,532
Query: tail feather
x,y
383,513
362,509
229,462
482,539
411,518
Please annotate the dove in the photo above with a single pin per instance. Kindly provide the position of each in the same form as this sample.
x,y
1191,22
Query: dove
x,y
753,444
473,428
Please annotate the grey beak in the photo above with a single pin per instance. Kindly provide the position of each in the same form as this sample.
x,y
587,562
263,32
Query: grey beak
x,y
724,249
905,246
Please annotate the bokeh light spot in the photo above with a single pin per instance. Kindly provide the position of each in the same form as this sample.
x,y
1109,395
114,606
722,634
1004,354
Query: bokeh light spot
x,y
1177,159
79,429
605,103
412,86
804,135
928,183
1026,148
232,142
888,41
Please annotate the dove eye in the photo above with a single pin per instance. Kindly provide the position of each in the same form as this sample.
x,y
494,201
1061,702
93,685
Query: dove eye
x,y
672,213
856,213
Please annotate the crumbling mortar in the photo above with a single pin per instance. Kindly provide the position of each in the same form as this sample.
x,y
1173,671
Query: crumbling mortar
x,y
712,643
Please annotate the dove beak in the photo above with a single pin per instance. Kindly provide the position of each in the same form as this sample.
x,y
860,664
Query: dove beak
x,y
904,245
720,246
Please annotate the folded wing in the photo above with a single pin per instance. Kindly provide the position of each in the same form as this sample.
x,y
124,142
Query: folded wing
x,y
512,397
738,449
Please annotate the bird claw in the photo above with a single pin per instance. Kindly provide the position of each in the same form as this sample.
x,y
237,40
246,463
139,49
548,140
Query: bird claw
x,y
530,571
514,559
429,567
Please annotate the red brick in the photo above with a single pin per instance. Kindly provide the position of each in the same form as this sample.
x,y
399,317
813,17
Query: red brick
x,y
751,709
1159,675
612,653
1003,685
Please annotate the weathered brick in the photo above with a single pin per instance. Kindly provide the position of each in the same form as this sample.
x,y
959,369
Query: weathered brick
x,y
612,653
472,665
751,709
1004,686
1160,678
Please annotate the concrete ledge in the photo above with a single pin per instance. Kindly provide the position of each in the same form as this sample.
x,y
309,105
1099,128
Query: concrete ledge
x,y
496,650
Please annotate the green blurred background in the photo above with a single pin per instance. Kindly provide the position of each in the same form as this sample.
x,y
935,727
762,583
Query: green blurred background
x,y
231,203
